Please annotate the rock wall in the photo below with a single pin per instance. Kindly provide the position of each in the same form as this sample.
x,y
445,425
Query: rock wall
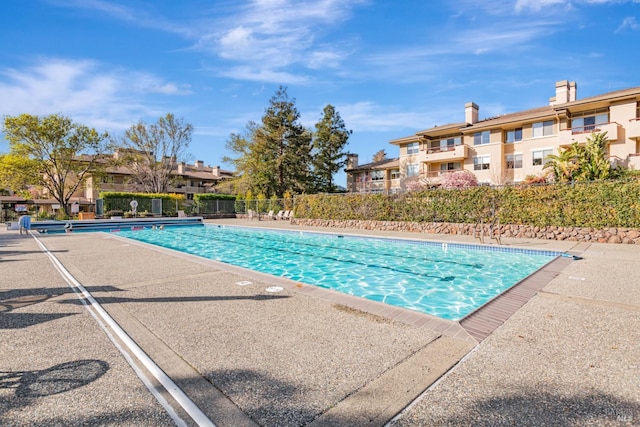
x,y
579,234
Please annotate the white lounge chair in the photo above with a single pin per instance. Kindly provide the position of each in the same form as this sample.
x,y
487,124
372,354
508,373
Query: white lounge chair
x,y
279,215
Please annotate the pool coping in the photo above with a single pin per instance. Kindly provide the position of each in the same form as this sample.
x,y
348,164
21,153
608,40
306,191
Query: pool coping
x,y
473,328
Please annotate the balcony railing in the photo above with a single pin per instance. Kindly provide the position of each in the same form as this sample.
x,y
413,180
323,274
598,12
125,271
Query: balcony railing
x,y
369,186
436,174
582,133
440,148
457,152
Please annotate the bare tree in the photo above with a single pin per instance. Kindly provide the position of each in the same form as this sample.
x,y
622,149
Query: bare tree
x,y
379,156
153,151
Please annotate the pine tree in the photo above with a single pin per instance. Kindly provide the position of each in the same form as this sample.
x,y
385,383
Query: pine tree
x,y
331,137
284,145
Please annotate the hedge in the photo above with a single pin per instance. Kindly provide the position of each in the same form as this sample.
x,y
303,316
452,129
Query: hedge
x,y
213,196
595,204
120,201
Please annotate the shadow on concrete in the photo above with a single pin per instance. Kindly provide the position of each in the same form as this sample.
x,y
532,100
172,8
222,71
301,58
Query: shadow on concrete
x,y
14,299
258,297
267,400
533,408
31,385
145,417
5,254
19,298
271,401
9,243
57,379
24,320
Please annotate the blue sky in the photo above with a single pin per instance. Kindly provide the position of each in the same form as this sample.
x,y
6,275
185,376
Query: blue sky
x,y
390,68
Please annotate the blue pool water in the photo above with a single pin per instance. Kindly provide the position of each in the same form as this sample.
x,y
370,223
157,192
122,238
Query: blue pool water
x,y
444,280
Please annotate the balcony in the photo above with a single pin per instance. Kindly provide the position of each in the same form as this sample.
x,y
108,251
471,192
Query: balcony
x,y
437,154
437,174
580,134
633,130
376,186
370,186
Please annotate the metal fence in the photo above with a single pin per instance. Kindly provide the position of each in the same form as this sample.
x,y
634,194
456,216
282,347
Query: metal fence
x,y
263,206
214,207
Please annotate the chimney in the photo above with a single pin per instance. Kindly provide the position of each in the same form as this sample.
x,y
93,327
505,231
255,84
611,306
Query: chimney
x,y
199,164
181,168
352,161
573,91
471,112
562,93
215,171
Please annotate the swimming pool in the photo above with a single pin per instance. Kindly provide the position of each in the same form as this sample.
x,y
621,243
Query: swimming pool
x,y
442,279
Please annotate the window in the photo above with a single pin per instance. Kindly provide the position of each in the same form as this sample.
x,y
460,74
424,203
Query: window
x,y
377,175
413,169
514,135
480,138
540,157
588,122
412,148
543,128
451,166
448,144
395,174
514,161
481,163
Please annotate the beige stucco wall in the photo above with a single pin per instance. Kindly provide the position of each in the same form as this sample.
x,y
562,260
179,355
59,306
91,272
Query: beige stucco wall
x,y
622,114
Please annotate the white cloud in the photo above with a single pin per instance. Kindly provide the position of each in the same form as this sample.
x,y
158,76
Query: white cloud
x,y
460,50
118,11
237,43
324,59
269,36
272,38
265,75
211,131
85,90
629,22
135,16
366,116
537,5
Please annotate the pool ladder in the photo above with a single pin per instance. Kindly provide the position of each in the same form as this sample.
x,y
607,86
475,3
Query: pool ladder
x,y
494,230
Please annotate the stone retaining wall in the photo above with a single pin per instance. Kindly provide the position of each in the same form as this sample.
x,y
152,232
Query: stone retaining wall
x,y
579,234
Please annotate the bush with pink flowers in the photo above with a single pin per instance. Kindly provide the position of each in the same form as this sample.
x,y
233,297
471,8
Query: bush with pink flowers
x,y
458,179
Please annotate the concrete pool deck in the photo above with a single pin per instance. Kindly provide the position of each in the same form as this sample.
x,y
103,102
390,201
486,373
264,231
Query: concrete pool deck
x,y
569,356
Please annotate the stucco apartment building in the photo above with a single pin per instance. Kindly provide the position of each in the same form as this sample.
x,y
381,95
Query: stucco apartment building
x,y
507,148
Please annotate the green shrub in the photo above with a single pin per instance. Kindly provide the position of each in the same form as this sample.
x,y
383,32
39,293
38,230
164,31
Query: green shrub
x,y
171,203
598,204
